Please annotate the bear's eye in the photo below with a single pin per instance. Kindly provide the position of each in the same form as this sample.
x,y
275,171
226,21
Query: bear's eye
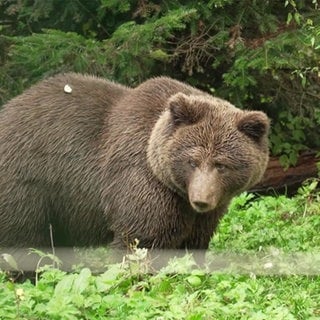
x,y
192,163
221,167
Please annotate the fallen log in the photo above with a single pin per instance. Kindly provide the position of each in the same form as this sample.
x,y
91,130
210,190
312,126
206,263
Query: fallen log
x,y
280,180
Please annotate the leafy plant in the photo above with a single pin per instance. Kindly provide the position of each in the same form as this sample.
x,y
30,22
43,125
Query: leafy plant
x,y
257,55
267,249
289,137
281,222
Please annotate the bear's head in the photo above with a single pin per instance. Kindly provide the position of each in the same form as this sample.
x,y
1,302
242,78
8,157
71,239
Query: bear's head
x,y
207,150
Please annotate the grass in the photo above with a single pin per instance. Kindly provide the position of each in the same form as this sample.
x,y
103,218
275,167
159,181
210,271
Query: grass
x,y
273,244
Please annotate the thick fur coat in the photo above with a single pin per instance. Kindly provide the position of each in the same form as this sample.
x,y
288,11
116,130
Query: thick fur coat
x,y
107,164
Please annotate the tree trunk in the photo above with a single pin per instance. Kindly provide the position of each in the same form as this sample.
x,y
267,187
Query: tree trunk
x,y
280,180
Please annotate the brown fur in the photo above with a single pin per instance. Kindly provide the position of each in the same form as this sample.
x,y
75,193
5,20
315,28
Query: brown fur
x,y
108,164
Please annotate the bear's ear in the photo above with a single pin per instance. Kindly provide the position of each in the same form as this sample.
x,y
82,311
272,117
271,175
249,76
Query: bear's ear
x,y
254,124
183,110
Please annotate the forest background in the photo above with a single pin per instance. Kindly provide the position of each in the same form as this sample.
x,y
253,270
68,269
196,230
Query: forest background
x,y
257,54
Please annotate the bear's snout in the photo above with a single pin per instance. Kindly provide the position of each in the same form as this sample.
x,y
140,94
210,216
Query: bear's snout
x,y
202,191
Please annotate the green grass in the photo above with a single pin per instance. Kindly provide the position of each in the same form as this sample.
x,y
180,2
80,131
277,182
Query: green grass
x,y
279,235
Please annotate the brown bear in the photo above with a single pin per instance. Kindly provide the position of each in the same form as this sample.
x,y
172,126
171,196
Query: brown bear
x,y
100,163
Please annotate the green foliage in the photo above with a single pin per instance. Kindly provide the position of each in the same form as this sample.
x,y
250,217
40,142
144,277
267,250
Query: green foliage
x,y
288,223
136,47
290,137
216,296
25,17
261,55
44,54
265,226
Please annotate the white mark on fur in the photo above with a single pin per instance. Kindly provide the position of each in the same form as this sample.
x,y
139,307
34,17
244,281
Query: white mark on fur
x,y
67,89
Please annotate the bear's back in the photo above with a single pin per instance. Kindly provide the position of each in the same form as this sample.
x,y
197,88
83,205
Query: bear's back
x,y
48,108
48,155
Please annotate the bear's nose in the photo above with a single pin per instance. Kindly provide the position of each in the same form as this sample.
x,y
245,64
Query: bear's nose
x,y
200,206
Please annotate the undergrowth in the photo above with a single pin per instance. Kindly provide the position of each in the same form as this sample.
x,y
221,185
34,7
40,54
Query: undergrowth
x,y
278,235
